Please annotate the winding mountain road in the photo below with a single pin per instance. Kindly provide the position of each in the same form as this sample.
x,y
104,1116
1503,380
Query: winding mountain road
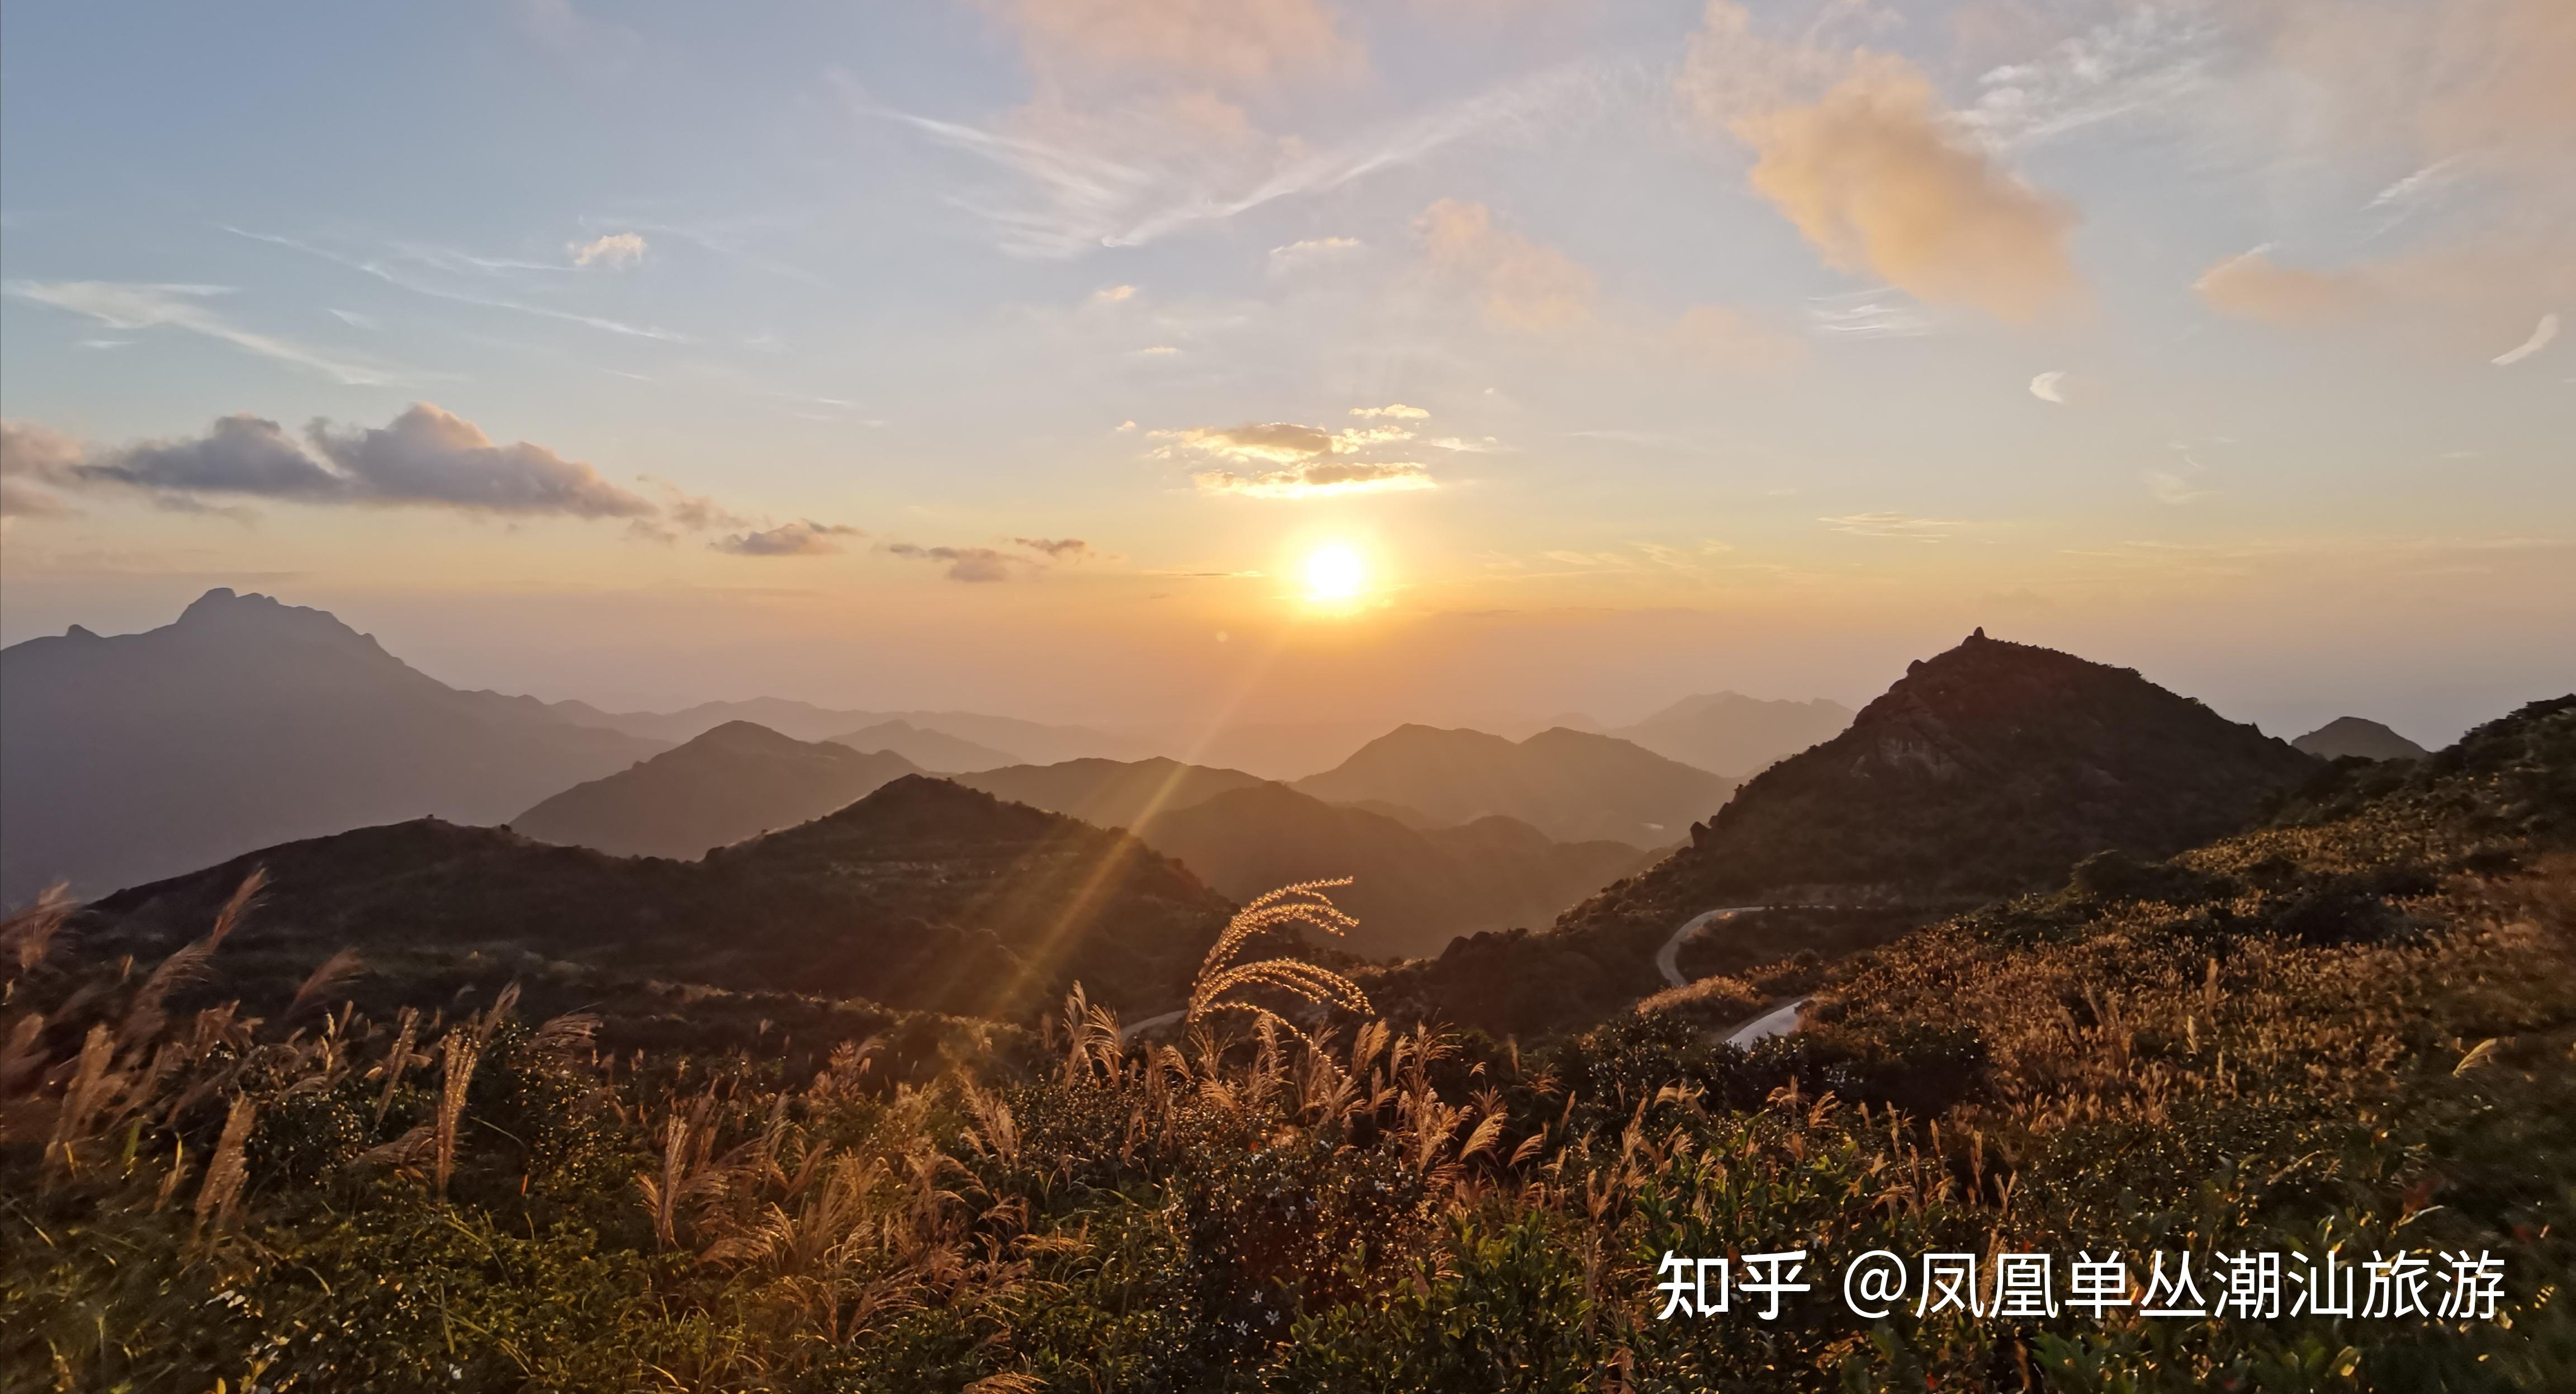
x,y
1779,1021
1668,958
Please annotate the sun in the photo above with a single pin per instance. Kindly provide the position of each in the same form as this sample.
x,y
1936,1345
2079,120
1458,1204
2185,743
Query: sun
x,y
1335,575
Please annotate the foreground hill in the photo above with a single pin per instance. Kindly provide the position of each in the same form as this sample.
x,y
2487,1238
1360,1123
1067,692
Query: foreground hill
x,y
1413,891
1986,770
243,723
922,895
929,749
1110,793
1732,734
1572,786
2347,736
736,781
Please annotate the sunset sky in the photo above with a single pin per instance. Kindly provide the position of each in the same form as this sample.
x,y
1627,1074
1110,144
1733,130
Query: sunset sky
x,y
1020,355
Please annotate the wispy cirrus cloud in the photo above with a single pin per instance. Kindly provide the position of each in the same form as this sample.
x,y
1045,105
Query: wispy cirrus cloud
x,y
1132,172
1899,525
401,267
131,305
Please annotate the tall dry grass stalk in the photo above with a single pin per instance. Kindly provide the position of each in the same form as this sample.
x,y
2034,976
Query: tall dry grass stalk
x,y
1220,977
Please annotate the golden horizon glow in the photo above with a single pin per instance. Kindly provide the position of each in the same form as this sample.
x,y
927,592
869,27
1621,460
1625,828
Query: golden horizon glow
x,y
1335,575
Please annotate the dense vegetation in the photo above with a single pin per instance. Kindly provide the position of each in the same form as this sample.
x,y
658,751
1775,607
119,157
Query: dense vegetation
x,y
2353,1027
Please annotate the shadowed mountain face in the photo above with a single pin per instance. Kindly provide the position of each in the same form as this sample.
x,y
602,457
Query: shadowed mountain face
x,y
1572,786
2351,735
1413,891
931,750
1987,769
736,781
1732,734
922,894
1110,793
244,723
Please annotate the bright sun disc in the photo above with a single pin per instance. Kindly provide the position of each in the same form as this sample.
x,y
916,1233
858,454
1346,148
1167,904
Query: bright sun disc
x,y
1334,574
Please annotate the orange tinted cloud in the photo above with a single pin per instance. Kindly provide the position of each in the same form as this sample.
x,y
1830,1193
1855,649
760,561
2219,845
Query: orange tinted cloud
x,y
1524,286
1242,42
1875,177
2255,287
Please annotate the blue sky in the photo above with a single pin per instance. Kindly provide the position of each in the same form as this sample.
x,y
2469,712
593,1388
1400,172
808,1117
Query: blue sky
x,y
1759,349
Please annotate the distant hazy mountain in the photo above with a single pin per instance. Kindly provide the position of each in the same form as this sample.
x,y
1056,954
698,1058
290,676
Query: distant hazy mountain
x,y
931,750
1109,793
1731,734
1572,786
1991,768
736,781
1413,892
923,894
244,723
1026,740
2351,735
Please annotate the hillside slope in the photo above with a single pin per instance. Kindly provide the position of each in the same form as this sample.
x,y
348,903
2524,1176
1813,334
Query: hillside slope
x,y
1731,734
928,749
736,781
1413,891
922,895
1570,785
1110,793
247,722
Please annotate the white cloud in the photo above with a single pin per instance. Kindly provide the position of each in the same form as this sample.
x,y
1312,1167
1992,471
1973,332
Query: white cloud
x,y
2046,387
1396,410
615,250
2541,335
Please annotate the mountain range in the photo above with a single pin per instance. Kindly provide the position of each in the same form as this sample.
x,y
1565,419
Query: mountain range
x,y
247,722
1731,734
1988,769
921,895
1570,785
736,781
1412,890
928,748
1013,739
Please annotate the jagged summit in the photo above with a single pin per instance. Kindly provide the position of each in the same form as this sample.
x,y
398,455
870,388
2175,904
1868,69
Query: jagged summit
x,y
1990,767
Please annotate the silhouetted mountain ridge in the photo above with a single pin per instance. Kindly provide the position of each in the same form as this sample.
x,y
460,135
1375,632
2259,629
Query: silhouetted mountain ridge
x,y
1986,769
2351,735
246,722
1571,785
735,781
922,894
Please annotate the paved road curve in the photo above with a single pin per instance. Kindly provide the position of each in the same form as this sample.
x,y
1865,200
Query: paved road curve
x,y
1668,958
1777,1022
